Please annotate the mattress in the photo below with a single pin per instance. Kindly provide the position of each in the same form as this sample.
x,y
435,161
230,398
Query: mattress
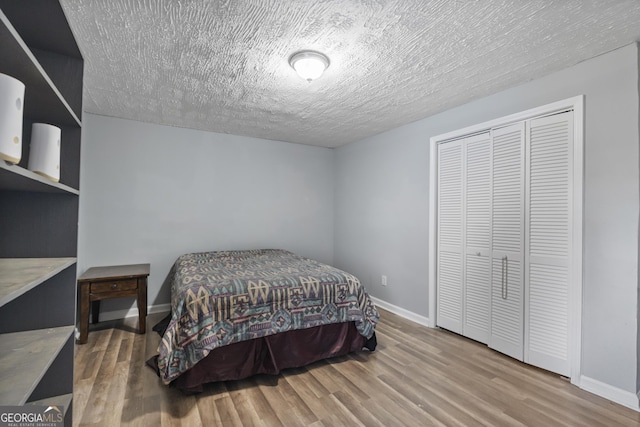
x,y
226,297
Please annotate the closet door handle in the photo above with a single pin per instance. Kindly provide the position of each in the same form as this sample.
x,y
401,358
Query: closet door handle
x,y
505,279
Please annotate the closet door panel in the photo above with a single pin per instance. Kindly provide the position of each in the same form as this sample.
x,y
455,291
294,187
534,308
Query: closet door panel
x,y
548,321
477,284
507,308
477,301
549,237
507,304
450,236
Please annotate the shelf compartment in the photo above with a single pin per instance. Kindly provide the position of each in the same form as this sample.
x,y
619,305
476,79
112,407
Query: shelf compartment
x,y
16,178
24,359
43,101
43,26
63,400
19,275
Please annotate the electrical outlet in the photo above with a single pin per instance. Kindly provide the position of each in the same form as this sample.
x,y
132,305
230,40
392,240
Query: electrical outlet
x,y
384,280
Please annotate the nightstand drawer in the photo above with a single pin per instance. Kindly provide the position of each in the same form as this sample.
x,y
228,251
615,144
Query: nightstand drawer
x,y
115,286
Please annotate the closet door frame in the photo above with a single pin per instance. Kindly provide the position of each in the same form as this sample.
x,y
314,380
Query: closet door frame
x,y
575,294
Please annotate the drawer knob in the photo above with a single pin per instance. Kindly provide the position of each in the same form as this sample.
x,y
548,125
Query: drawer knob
x,y
114,285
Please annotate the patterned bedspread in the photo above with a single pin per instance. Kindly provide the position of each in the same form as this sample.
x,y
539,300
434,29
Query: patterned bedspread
x,y
219,298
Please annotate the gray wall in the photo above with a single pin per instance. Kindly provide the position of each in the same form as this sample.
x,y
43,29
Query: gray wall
x,y
381,201
150,193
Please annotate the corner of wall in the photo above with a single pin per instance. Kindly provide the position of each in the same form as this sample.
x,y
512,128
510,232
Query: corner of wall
x,y
637,44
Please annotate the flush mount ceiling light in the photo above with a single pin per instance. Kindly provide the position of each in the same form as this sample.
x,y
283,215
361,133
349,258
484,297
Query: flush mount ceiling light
x,y
309,64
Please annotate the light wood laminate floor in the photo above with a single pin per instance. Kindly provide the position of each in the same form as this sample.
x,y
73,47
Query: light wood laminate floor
x,y
417,377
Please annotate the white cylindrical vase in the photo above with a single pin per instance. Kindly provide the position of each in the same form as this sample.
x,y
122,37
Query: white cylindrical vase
x,y
11,112
44,151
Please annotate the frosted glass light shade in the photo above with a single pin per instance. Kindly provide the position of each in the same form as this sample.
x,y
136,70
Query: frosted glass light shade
x,y
11,112
44,151
308,64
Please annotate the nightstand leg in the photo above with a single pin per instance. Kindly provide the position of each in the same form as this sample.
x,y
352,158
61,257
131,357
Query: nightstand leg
x,y
95,311
84,313
142,305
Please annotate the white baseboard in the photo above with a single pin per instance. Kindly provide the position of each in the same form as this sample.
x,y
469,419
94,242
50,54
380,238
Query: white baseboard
x,y
133,312
614,394
409,315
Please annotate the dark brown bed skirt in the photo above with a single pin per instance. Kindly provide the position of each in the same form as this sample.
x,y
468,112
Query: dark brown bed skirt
x,y
272,354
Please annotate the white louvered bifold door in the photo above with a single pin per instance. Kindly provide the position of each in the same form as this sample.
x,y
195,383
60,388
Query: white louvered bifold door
x,y
450,238
507,259
477,208
549,237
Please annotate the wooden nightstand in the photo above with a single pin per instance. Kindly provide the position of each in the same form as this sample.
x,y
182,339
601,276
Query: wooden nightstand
x,y
98,283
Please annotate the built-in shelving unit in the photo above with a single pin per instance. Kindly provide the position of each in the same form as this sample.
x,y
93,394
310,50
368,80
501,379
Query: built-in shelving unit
x,y
38,217
25,358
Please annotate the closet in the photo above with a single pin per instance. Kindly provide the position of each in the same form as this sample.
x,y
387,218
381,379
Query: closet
x,y
504,209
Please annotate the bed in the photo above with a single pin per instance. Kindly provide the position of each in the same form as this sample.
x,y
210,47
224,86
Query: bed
x,y
235,314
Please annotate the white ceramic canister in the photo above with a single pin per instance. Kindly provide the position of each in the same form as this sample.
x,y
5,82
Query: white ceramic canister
x,y
11,112
44,151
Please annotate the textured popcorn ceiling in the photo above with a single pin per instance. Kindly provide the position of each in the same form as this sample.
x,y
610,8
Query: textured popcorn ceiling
x,y
223,65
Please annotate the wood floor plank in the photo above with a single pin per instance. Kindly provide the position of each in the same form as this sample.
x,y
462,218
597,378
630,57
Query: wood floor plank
x,y
434,389
302,376
273,395
136,370
260,403
417,376
338,414
570,418
112,414
227,411
249,417
152,415
304,414
209,411
357,409
132,412
179,410
305,387
389,413
95,406
334,380
381,390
